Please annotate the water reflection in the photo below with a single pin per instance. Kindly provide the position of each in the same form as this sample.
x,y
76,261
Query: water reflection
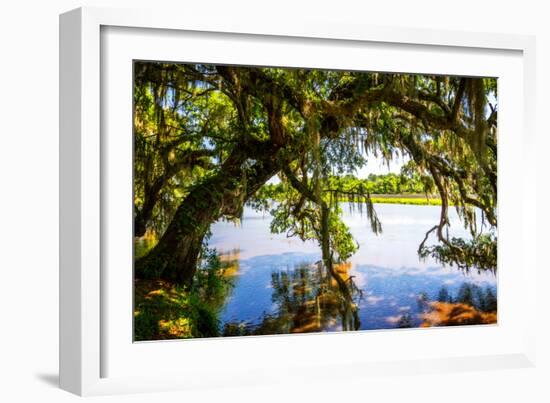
x,y
280,287
472,305
305,299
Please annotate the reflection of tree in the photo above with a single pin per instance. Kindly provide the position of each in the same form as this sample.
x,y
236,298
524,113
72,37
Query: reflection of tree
x,y
482,299
405,321
214,281
443,295
472,305
308,299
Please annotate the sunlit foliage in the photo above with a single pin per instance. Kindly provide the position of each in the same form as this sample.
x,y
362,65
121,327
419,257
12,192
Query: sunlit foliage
x,y
208,138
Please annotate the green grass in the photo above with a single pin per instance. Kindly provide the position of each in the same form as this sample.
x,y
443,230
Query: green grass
x,y
406,199
167,311
164,311
413,199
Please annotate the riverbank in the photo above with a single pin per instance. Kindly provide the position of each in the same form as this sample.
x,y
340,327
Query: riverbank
x,y
414,199
163,310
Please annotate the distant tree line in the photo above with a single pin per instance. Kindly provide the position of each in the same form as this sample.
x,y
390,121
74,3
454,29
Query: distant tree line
x,y
382,184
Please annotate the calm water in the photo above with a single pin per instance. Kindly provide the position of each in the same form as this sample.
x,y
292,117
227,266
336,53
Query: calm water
x,y
277,283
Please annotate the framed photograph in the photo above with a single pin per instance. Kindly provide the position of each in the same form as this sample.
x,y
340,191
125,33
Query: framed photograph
x,y
237,198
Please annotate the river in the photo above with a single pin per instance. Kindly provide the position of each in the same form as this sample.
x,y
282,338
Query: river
x,y
277,285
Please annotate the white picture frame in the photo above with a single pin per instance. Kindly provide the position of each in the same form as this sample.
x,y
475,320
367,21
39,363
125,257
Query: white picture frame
x,y
88,339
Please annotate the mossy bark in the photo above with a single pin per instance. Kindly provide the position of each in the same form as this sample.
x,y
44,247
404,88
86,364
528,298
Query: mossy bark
x,y
176,256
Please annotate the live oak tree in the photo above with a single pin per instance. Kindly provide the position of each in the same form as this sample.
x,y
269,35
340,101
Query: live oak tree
x,y
207,138
169,129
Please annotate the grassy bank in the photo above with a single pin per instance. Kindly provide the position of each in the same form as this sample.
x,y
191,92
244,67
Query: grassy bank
x,y
167,311
164,311
414,199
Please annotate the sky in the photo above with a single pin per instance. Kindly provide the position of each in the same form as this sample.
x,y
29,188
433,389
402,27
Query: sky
x,y
377,166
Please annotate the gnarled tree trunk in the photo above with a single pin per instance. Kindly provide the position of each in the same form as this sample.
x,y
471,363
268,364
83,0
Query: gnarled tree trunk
x,y
175,257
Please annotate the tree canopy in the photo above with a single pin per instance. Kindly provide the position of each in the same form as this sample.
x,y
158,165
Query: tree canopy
x,y
209,137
